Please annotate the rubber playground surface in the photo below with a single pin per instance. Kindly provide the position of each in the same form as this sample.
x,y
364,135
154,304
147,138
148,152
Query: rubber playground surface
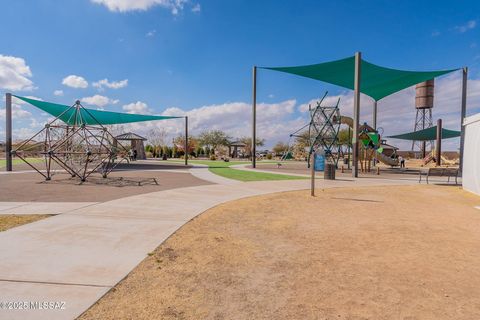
x,y
396,252
135,178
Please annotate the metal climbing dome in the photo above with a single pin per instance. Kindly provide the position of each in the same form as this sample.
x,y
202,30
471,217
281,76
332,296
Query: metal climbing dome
x,y
78,148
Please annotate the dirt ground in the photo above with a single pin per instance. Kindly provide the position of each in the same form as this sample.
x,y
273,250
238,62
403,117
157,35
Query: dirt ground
x,y
136,178
8,221
409,252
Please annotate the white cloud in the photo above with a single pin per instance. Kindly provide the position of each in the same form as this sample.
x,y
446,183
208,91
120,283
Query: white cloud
x,y
74,81
196,8
15,74
112,85
58,93
17,113
275,121
17,101
150,33
141,5
99,101
467,26
137,107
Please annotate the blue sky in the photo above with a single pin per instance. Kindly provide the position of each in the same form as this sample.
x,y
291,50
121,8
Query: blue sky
x,y
196,56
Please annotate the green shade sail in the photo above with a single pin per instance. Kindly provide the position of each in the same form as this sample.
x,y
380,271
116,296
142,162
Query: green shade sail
x,y
426,134
376,81
69,115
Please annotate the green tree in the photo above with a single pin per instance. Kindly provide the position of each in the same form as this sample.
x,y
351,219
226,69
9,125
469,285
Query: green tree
x,y
248,144
213,138
156,137
280,148
345,137
199,151
180,144
303,139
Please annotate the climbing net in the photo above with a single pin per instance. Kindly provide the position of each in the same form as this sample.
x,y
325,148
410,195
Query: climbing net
x,y
322,132
76,147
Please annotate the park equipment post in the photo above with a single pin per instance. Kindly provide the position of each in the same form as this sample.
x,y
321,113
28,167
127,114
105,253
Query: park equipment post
x,y
462,116
186,141
254,118
348,147
8,129
312,176
438,144
356,112
374,120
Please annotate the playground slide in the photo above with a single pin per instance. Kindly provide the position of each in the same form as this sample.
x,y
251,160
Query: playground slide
x,y
387,160
448,162
380,156
347,120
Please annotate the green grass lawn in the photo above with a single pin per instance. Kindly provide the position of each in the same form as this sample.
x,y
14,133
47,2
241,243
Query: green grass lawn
x,y
223,169
3,162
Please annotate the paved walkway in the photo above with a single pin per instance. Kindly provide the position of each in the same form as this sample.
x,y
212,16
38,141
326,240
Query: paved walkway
x,y
76,257
21,208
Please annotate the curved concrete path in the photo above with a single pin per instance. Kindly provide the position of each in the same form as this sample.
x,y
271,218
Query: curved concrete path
x,y
76,257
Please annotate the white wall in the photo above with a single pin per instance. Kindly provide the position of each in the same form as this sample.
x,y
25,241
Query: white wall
x,y
471,154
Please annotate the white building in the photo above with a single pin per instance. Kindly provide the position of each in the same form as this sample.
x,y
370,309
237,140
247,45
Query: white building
x,y
471,154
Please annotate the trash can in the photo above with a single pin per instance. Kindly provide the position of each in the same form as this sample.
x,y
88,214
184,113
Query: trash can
x,y
329,173
345,160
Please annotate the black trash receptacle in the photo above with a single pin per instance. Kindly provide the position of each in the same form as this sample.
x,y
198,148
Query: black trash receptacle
x,y
345,160
329,173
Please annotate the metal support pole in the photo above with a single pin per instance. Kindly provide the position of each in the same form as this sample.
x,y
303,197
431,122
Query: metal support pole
x,y
348,147
312,174
8,131
438,154
463,115
356,112
374,121
186,141
254,119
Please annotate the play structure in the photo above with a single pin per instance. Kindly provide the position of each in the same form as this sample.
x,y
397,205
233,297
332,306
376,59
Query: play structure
x,y
77,140
361,76
75,146
322,132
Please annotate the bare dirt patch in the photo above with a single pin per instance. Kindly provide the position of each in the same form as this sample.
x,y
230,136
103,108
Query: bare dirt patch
x,y
409,252
8,221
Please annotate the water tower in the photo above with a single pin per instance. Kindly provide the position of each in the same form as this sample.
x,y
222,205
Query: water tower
x,y
423,119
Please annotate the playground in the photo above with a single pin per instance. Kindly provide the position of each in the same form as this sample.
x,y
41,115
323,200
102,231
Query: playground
x,y
130,236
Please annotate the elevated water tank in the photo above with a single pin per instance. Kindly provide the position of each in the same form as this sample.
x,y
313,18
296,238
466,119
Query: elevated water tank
x,y
424,94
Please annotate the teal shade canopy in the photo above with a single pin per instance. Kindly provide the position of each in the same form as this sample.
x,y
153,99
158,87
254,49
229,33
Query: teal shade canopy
x,y
426,134
375,81
70,116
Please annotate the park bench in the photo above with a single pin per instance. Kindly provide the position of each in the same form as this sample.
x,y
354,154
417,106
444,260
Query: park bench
x,y
440,172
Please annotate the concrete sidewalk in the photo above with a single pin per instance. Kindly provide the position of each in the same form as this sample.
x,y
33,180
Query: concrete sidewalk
x,y
21,208
78,256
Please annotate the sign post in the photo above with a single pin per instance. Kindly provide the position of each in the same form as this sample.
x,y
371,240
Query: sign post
x,y
318,164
